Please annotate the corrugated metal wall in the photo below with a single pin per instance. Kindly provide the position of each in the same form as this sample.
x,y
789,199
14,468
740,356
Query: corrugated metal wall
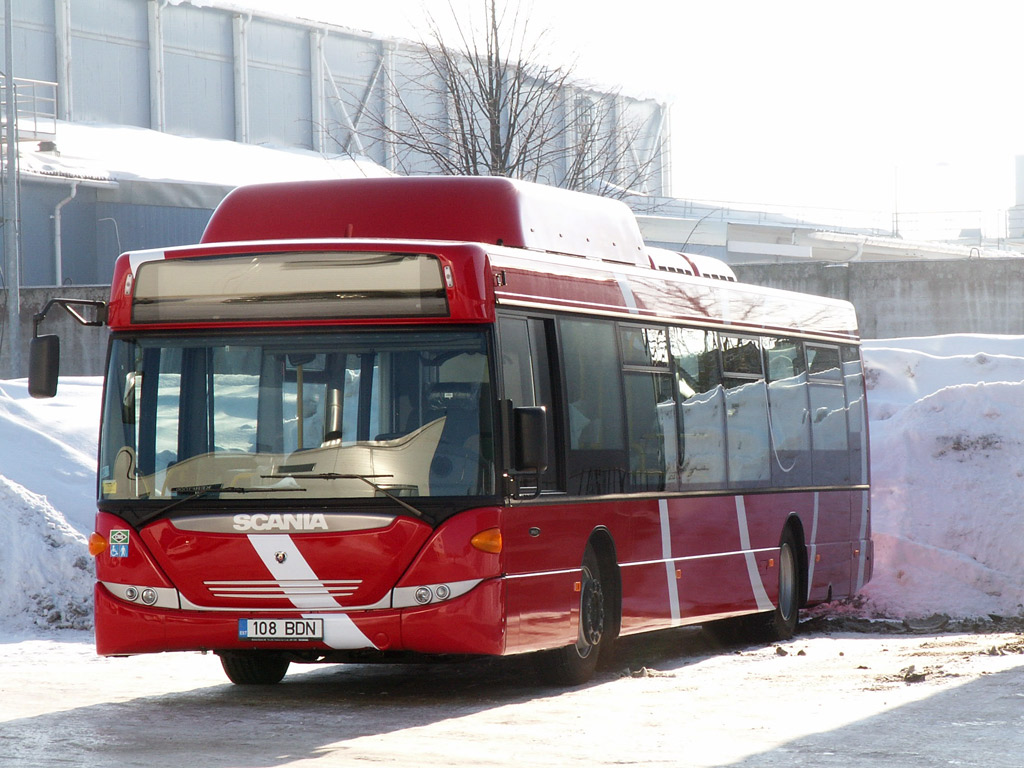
x,y
198,59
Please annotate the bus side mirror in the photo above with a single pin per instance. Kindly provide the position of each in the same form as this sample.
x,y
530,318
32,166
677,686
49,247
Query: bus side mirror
x,y
531,439
43,365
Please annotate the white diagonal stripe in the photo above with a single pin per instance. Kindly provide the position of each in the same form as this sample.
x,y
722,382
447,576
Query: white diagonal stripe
x,y
294,567
763,602
670,566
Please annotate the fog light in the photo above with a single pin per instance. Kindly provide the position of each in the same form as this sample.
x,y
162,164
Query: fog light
x,y
149,596
442,592
131,593
424,595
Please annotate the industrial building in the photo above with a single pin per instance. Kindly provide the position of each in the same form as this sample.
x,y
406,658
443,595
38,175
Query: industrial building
x,y
133,119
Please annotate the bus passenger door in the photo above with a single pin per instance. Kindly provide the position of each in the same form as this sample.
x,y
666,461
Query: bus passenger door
x,y
539,584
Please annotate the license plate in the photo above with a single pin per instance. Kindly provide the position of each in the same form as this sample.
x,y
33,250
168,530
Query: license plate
x,y
280,629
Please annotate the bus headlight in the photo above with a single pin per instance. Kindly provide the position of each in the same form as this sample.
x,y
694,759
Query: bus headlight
x,y
428,594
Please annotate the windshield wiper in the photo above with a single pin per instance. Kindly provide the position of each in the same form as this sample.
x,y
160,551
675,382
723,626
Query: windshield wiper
x,y
198,491
340,476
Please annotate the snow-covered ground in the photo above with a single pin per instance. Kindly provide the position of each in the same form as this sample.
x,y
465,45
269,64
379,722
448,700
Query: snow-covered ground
x,y
946,423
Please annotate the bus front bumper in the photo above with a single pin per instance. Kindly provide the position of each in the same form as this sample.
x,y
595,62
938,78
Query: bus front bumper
x,y
471,624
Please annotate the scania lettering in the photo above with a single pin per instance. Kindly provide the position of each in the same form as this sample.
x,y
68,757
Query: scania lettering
x,y
279,522
394,418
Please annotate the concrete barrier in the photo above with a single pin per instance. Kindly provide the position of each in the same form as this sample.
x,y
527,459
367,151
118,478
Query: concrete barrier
x,y
911,298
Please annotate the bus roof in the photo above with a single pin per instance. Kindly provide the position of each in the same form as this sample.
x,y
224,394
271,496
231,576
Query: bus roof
x,y
476,209
439,249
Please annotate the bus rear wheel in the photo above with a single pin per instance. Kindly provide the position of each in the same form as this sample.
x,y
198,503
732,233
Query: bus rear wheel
x,y
254,667
575,664
781,623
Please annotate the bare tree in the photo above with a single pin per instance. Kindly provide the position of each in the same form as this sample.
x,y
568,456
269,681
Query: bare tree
x,y
483,102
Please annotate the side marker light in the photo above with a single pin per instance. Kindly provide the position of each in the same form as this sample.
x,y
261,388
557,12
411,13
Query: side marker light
x,y
487,541
97,544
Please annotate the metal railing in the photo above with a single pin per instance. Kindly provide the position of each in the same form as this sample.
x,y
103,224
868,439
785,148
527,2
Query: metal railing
x,y
36,101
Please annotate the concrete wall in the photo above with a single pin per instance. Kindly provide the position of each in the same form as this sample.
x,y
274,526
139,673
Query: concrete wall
x,y
911,298
83,349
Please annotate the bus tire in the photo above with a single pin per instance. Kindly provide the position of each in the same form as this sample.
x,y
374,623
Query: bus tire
x,y
254,667
780,624
575,664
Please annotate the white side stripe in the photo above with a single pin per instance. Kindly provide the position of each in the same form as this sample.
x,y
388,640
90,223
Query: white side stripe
x,y
627,293
763,603
813,547
862,543
670,566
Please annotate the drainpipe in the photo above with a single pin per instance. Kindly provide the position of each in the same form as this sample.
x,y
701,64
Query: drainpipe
x,y
58,259
11,211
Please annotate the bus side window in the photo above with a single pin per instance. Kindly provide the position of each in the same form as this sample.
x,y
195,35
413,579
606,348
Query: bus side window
x,y
788,412
831,463
853,378
650,409
746,420
597,461
697,373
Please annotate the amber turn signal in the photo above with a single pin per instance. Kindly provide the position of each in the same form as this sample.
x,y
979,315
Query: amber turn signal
x,y
487,541
97,544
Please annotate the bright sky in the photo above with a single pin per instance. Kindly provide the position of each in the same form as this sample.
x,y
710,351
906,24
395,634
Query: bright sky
x,y
856,105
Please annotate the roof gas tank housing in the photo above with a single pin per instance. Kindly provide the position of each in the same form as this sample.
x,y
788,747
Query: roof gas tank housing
x,y
695,264
477,209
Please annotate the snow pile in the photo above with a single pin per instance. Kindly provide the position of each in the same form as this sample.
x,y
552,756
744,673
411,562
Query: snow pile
x,y
47,477
947,439
946,425
48,575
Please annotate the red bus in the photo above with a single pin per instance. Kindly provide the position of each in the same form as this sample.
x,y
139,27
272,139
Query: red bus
x,y
369,419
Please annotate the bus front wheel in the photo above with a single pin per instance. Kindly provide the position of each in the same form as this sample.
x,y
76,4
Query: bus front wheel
x,y
575,664
254,667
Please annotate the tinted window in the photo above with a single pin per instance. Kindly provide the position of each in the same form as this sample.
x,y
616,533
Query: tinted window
x,y
828,415
746,412
596,437
788,413
697,379
853,378
650,409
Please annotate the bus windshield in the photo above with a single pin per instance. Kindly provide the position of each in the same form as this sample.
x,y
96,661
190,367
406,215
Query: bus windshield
x,y
343,415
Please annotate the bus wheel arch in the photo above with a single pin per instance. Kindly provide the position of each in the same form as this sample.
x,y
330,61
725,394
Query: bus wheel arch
x,y
795,526
781,623
603,544
599,617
